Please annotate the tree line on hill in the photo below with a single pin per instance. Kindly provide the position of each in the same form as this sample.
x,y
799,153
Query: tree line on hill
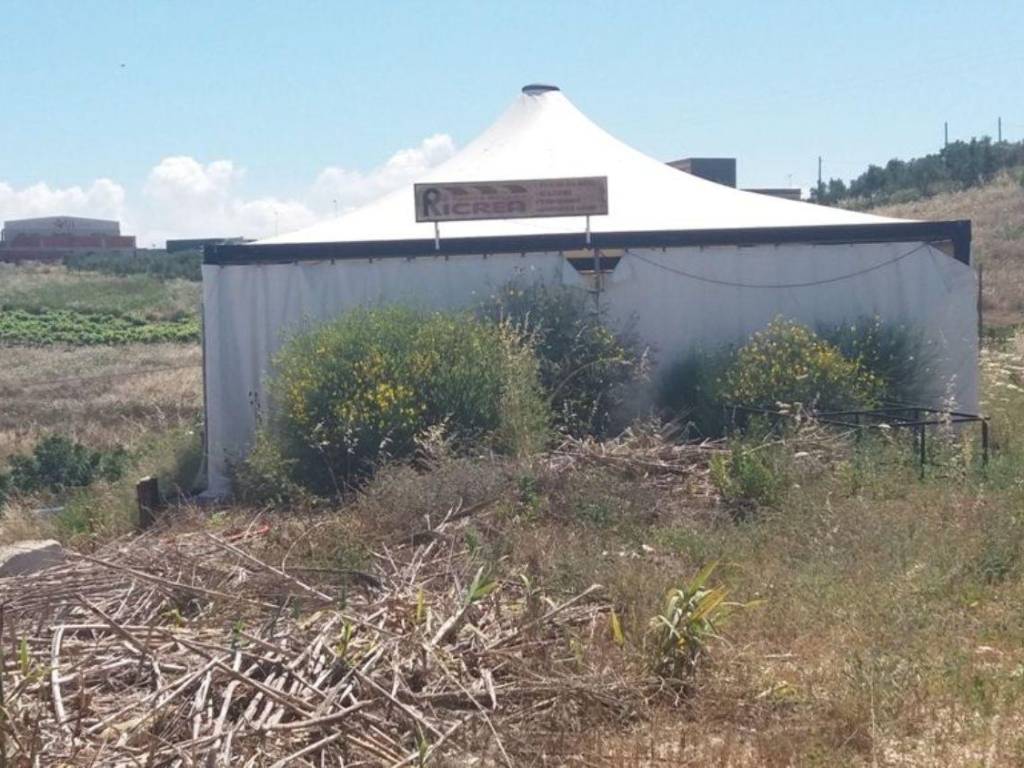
x,y
958,165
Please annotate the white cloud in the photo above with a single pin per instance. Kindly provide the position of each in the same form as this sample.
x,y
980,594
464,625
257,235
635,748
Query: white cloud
x,y
353,188
184,178
103,198
183,197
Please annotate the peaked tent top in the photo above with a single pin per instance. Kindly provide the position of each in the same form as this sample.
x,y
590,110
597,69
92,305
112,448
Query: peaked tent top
x,y
542,135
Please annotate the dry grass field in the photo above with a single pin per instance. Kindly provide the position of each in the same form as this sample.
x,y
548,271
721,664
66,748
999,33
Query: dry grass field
x,y
997,213
144,398
100,395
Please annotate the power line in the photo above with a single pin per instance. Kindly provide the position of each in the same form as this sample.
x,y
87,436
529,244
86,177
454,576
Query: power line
x,y
713,281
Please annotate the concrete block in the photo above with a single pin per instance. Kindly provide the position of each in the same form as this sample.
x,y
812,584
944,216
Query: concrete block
x,y
23,557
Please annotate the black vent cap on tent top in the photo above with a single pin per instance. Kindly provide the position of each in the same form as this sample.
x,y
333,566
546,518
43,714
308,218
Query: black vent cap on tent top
x,y
535,88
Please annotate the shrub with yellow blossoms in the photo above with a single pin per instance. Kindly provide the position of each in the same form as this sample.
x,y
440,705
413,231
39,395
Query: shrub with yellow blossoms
x,y
789,363
359,389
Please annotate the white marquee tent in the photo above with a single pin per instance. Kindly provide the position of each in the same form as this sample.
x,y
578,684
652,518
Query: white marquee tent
x,y
686,261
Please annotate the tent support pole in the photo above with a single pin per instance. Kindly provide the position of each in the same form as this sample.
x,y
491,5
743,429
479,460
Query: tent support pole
x,y
597,270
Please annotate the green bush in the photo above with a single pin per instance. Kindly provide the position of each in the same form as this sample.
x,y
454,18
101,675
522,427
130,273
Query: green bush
x,y
357,390
788,363
750,475
265,477
843,365
691,392
900,357
57,464
584,366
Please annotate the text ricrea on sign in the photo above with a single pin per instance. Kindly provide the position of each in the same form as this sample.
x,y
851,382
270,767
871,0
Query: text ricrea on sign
x,y
467,201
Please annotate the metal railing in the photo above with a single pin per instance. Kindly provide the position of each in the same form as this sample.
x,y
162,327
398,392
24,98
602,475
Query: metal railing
x,y
888,416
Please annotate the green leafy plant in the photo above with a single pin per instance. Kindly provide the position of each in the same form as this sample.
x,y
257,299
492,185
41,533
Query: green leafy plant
x,y
749,475
265,476
689,618
482,586
65,326
597,513
57,464
421,607
343,641
584,366
24,660
615,625
422,747
357,390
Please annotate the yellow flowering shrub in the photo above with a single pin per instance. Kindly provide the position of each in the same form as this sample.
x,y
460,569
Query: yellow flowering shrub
x,y
788,363
359,389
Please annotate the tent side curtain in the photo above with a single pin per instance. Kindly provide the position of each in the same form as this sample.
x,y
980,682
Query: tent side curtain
x,y
673,300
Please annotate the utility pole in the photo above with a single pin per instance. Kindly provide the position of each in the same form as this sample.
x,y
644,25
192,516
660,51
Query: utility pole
x,y
819,174
945,131
1000,133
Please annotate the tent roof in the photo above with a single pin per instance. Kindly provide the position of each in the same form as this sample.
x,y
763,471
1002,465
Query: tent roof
x,y
542,135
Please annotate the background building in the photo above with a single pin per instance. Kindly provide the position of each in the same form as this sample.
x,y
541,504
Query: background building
x,y
198,243
51,238
722,170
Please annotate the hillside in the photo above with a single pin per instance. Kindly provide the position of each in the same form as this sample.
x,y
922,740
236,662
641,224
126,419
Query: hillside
x,y
997,211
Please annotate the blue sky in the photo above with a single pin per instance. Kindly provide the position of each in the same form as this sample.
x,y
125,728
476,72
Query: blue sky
x,y
253,101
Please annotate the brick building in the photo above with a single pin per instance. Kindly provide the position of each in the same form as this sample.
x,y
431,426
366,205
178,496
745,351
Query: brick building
x,y
51,238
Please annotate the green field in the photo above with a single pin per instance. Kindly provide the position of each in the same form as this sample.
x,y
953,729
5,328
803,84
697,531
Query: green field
x,y
47,304
62,326
144,297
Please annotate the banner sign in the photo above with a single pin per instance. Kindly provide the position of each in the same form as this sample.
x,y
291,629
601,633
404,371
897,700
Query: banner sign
x,y
468,201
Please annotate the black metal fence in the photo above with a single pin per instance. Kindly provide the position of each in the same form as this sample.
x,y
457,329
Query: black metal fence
x,y
889,416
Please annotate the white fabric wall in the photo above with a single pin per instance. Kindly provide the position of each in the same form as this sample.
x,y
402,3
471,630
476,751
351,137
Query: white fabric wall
x,y
674,299
247,309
